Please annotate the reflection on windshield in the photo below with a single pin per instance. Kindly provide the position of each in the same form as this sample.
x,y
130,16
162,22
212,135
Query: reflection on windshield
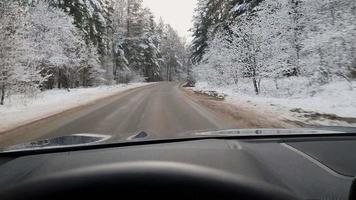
x,y
64,141
272,132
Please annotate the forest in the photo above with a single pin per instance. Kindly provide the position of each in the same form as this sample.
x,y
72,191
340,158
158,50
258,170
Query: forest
x,y
274,46
83,43
258,47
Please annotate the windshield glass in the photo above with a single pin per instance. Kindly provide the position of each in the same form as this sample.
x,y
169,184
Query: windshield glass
x,y
106,71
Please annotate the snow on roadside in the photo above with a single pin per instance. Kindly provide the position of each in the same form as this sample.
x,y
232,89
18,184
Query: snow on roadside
x,y
17,112
333,105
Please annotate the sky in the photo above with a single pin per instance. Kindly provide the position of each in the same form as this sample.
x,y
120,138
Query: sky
x,y
177,13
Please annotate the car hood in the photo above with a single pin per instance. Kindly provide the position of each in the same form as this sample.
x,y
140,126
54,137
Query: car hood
x,y
89,139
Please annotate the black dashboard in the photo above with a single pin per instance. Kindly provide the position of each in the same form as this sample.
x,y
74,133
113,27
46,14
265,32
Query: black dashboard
x,y
305,167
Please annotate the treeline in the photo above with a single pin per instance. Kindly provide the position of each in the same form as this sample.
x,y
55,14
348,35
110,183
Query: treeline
x,y
274,39
82,43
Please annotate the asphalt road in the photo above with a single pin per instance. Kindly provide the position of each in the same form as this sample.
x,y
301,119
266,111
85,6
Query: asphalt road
x,y
162,110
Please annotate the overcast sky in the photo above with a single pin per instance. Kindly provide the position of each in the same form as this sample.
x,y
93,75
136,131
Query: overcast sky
x,y
177,13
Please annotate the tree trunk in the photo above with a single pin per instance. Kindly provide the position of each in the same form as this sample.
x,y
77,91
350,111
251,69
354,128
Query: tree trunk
x,y
332,14
2,94
128,25
255,84
59,79
276,83
168,73
259,84
323,70
296,31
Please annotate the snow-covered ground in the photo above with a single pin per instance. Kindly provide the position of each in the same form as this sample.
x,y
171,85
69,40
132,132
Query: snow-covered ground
x,y
18,110
333,104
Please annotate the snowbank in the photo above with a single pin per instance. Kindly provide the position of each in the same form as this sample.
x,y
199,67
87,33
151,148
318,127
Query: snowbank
x,y
333,104
19,111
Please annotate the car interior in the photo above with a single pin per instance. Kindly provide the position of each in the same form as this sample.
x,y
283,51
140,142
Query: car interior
x,y
285,167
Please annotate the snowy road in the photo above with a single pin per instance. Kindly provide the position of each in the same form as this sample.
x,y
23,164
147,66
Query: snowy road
x,y
162,110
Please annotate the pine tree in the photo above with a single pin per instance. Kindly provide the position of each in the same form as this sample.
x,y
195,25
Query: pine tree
x,y
209,15
200,31
173,62
150,49
133,39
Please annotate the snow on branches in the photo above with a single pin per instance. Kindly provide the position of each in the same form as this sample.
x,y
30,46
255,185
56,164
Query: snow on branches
x,y
40,48
283,38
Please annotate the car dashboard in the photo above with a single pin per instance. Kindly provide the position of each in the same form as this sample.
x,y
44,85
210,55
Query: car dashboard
x,y
307,167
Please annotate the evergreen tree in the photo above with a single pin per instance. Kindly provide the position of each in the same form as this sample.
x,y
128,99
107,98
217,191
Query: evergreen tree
x,y
151,52
209,15
133,40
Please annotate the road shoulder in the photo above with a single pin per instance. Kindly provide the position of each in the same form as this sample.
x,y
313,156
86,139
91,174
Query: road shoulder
x,y
244,116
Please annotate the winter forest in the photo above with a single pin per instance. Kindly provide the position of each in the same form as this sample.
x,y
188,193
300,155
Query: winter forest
x,y
274,47
269,47
83,43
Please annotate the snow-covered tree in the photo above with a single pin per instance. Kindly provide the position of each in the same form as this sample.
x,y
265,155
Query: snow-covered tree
x,y
210,15
133,39
121,70
54,43
72,43
10,18
91,72
19,70
329,39
173,62
150,48
274,39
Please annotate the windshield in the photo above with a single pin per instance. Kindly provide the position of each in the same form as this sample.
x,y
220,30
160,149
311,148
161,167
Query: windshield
x,y
121,70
